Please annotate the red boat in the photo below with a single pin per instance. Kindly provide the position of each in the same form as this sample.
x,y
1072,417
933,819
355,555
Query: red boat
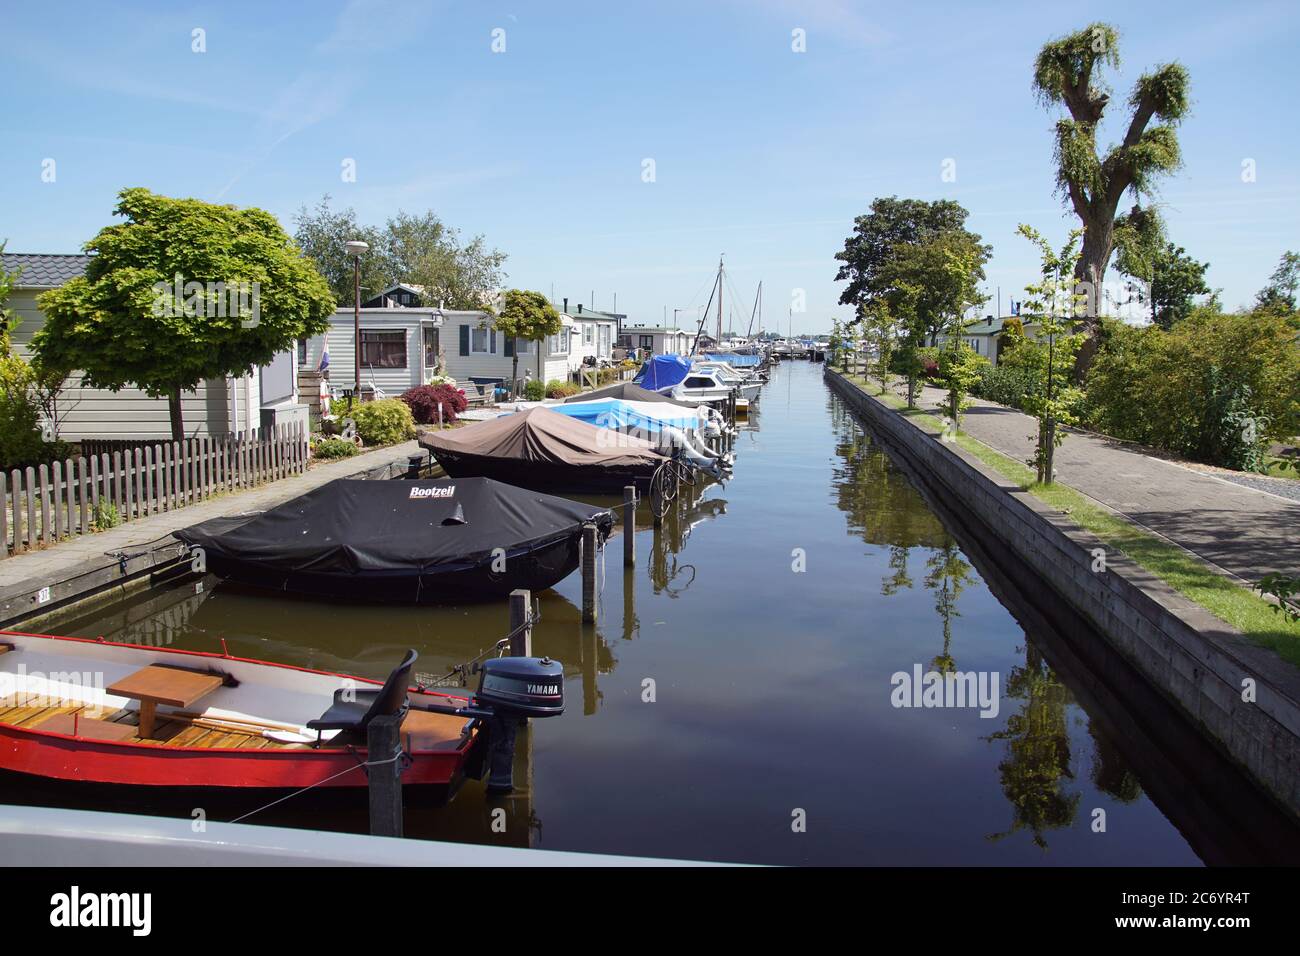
x,y
74,709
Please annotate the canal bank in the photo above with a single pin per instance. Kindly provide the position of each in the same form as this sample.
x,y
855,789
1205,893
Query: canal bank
x,y
110,565
1242,697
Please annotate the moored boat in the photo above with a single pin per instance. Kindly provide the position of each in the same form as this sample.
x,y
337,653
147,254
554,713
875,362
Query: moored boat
x,y
410,542
97,712
542,449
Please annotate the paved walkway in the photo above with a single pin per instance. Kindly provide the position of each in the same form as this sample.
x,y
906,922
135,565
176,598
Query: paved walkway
x,y
1244,531
47,563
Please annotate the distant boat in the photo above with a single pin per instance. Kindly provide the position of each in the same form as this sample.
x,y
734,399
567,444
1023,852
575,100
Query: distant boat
x,y
402,542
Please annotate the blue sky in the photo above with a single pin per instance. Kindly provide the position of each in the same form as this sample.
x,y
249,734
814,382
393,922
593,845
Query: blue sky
x,y
760,152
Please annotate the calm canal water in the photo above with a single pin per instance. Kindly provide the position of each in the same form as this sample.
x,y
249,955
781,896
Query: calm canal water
x,y
772,684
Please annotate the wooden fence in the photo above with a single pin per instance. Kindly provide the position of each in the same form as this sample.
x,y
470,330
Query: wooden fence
x,y
39,506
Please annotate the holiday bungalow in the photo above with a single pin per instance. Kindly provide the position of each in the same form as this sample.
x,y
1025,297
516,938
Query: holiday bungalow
x,y
263,397
403,347
655,340
593,336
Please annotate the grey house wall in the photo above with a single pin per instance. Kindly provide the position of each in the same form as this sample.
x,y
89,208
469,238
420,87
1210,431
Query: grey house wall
x,y
130,413
393,381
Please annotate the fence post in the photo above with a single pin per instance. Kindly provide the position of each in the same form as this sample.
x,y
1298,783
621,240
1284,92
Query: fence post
x,y
383,742
30,487
629,526
4,517
45,504
148,501
521,644
588,573
85,488
56,502
69,499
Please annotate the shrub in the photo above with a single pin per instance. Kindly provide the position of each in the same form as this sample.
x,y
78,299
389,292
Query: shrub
x,y
1006,385
1214,388
557,389
534,391
330,448
425,400
105,515
384,422
20,418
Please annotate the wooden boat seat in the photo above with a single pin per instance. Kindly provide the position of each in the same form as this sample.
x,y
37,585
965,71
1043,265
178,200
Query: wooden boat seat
x,y
94,728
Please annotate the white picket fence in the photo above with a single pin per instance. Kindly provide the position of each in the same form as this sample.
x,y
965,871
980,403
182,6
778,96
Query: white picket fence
x,y
39,506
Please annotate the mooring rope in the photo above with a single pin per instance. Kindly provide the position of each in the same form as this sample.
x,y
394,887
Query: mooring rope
x,y
334,776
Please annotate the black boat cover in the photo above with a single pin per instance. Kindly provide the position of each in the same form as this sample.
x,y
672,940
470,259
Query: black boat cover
x,y
350,527
630,392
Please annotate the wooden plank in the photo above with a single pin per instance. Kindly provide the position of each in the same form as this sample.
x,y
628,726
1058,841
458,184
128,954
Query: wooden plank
x,y
85,489
70,497
185,473
15,502
4,516
147,499
205,484
31,508
45,504
106,475
119,495
176,474
137,481
56,498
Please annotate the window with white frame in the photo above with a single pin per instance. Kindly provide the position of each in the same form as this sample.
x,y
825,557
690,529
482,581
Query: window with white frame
x,y
478,340
560,343
589,334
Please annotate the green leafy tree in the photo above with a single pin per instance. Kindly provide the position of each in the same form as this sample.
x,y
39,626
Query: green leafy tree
x,y
1280,293
1094,184
880,329
1172,279
122,325
20,428
419,250
929,285
1055,300
528,316
879,237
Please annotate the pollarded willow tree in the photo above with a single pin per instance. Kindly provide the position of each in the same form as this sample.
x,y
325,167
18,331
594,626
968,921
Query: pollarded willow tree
x,y
1065,73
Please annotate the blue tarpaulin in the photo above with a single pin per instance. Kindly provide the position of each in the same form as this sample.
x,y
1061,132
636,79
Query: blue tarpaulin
x,y
662,371
620,415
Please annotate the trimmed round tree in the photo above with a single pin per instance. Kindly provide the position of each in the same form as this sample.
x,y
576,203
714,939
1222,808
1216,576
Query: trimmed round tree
x,y
180,292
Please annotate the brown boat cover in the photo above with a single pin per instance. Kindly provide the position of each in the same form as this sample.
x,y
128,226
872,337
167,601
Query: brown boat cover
x,y
540,434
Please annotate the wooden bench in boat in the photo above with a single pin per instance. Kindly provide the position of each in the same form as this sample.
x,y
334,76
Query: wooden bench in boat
x,y
159,684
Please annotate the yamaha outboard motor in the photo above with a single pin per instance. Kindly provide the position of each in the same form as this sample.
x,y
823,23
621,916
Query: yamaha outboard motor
x,y
514,689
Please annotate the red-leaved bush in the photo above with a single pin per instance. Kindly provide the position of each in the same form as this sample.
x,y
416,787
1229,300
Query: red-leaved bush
x,y
424,401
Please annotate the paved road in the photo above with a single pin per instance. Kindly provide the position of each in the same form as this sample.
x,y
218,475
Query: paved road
x,y
46,564
1245,531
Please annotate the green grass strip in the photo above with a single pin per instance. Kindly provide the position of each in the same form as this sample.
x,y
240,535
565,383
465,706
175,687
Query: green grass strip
x,y
1244,609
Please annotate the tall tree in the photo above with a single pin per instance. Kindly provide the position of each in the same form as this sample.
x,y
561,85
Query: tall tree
x,y
1094,184
180,292
528,316
418,250
882,234
1280,293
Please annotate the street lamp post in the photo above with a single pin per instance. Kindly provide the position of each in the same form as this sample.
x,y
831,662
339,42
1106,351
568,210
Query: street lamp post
x,y
355,249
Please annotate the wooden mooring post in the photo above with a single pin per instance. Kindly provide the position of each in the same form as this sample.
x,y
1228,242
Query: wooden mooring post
x,y
521,644
629,526
383,753
589,574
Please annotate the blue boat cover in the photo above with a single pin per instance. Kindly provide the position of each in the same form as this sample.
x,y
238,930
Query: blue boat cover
x,y
662,371
620,415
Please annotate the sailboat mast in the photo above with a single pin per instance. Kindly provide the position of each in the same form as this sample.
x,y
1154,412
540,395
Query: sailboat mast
x,y
758,299
718,337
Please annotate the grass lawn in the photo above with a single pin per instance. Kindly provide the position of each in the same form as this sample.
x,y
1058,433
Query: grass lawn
x,y
1245,610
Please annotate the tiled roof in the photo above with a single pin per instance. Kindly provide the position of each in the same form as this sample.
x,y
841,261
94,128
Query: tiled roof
x,y
44,270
